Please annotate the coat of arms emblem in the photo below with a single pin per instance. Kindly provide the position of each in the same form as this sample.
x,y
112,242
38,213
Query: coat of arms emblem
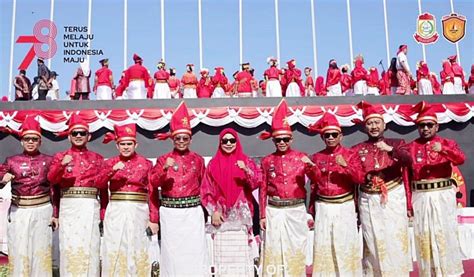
x,y
454,27
426,29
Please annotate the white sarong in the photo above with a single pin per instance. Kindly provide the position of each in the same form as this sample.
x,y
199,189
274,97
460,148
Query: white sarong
x,y
162,91
448,88
386,235
30,241
232,253
189,93
273,89
373,91
335,90
293,90
336,240
125,243
136,90
436,233
286,242
360,87
79,237
458,87
219,93
183,242
104,93
424,87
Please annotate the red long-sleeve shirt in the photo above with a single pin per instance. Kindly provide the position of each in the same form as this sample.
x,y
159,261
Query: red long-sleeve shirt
x,y
428,164
82,171
387,166
184,182
30,176
283,177
132,178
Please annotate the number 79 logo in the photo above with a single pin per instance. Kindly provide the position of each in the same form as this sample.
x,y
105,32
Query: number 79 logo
x,y
38,40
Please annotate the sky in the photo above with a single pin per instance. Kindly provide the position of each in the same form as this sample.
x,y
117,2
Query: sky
x,y
220,33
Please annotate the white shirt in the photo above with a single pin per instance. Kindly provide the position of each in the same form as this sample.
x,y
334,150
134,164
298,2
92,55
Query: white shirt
x,y
53,92
402,58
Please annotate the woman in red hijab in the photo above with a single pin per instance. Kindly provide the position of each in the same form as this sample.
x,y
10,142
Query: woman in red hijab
x,y
447,78
230,178
423,78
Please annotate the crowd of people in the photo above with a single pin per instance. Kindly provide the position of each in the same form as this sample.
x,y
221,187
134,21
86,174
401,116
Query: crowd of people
x,y
136,82
395,182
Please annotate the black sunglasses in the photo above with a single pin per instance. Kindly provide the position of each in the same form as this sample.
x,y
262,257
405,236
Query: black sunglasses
x,y
328,135
79,133
184,139
285,139
31,139
429,125
231,140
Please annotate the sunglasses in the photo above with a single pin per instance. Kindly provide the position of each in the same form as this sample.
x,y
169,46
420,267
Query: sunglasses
x,y
79,133
184,139
329,135
231,140
429,125
285,139
31,139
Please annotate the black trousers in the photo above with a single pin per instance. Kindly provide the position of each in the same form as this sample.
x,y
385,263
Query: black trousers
x,y
81,96
42,94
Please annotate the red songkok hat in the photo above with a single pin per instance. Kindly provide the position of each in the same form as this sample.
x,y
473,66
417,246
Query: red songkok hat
x,y
219,68
30,127
137,58
425,112
77,122
127,132
368,112
327,123
180,123
280,125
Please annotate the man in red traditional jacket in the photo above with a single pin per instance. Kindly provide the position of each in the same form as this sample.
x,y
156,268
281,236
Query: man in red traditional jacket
x,y
179,174
132,208
283,214
137,81
104,81
31,212
384,198
434,196
75,172
334,175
